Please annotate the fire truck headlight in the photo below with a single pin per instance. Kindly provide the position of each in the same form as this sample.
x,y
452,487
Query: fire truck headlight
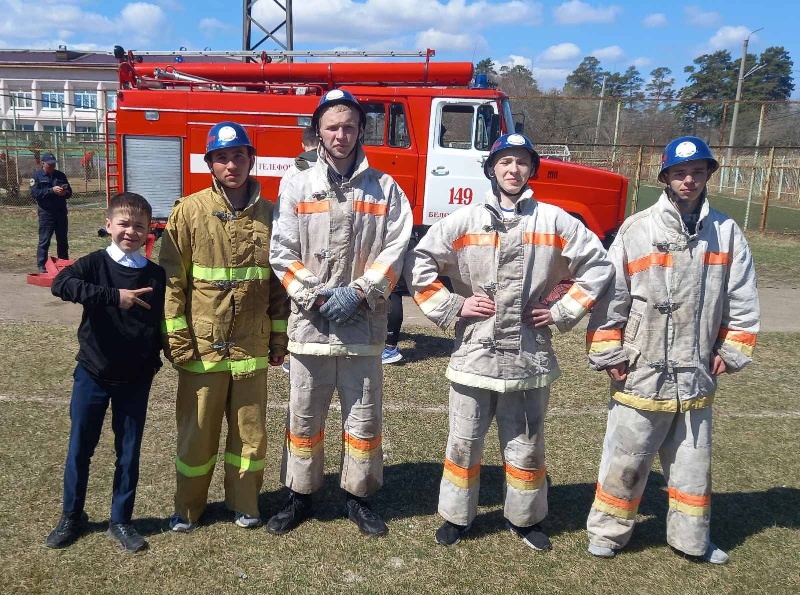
x,y
303,121
151,115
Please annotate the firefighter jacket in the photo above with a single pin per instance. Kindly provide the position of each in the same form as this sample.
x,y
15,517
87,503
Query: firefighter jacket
x,y
325,236
225,310
512,261
677,299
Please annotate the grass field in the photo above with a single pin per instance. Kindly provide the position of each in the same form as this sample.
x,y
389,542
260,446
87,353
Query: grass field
x,y
755,512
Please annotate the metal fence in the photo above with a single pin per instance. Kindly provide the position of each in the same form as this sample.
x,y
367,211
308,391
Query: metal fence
x,y
81,156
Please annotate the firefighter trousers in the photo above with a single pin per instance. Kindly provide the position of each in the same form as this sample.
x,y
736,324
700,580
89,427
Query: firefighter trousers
x,y
203,400
683,444
359,383
520,421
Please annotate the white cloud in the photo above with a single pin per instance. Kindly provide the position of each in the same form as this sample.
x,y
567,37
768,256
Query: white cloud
x,y
450,41
335,21
655,21
729,38
641,62
611,53
559,53
211,26
144,18
695,17
576,12
550,78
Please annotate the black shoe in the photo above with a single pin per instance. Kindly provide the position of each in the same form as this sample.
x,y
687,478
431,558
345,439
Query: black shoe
x,y
127,537
532,536
361,514
67,530
450,534
296,510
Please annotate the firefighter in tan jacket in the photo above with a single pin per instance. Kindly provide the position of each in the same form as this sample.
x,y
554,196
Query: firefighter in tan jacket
x,y
683,309
340,236
225,321
504,257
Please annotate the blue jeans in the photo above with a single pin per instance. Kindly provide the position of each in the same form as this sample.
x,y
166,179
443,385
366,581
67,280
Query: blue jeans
x,y
90,399
50,223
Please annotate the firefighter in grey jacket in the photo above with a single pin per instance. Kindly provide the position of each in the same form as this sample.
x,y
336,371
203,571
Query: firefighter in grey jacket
x,y
503,258
339,238
682,310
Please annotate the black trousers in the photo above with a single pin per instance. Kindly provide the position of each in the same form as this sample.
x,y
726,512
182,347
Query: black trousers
x,y
50,223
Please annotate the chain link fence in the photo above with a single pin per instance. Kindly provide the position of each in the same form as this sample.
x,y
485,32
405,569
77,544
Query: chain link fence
x,y
81,156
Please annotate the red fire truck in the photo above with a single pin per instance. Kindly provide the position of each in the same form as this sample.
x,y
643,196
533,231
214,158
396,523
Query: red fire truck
x,y
428,125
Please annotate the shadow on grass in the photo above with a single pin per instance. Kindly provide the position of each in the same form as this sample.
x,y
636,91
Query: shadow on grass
x,y
424,346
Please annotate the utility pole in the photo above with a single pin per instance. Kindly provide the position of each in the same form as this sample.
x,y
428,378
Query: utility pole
x,y
599,113
248,21
742,76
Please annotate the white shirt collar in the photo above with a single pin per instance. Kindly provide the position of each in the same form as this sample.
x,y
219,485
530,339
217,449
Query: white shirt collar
x,y
134,260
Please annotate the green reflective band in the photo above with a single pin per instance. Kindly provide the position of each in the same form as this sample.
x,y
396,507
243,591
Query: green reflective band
x,y
189,471
279,326
242,366
174,324
230,273
243,463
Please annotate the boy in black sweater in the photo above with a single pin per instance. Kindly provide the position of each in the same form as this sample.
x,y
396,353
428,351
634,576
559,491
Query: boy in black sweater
x,y
120,338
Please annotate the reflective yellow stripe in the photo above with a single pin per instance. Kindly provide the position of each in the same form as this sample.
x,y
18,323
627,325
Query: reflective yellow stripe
x,y
242,366
279,326
461,477
230,273
189,471
174,324
669,405
243,463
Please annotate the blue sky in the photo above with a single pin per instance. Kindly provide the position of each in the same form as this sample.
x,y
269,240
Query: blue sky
x,y
549,37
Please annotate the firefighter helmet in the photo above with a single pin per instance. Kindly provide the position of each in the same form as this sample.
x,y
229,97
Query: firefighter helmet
x,y
336,97
510,141
226,135
683,149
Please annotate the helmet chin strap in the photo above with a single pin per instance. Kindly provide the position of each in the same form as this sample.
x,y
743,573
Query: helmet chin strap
x,y
496,189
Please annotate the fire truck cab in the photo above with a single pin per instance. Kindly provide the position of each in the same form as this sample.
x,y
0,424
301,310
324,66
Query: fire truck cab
x,y
428,126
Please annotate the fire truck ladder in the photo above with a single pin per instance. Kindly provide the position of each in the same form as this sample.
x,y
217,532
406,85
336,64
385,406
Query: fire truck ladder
x,y
112,164
283,55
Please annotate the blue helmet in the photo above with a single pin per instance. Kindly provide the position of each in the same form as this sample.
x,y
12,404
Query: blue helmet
x,y
336,97
226,135
683,149
510,141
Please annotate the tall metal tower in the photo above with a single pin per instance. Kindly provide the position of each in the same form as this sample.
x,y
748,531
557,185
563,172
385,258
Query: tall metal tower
x,y
268,32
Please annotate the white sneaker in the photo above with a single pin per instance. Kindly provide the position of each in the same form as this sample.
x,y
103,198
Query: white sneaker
x,y
714,555
179,525
285,366
601,552
246,522
391,355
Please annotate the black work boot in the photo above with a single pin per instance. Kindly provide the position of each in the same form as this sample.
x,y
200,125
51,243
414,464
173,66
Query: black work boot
x,y
296,510
68,529
127,537
450,533
358,511
532,536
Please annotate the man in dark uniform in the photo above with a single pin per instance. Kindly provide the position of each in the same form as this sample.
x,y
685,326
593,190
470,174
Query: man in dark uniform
x,y
51,190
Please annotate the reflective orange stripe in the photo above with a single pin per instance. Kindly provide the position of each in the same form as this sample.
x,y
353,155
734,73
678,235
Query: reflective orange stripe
x,y
296,266
461,472
544,239
476,239
690,499
318,206
386,271
428,292
617,502
360,443
722,258
610,335
370,208
579,296
523,474
655,259
727,334
301,442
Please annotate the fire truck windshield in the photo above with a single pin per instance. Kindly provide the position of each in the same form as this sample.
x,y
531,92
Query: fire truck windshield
x,y
508,117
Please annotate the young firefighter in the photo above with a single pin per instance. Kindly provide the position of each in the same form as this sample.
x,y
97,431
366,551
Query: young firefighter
x,y
503,257
225,321
119,336
682,310
341,232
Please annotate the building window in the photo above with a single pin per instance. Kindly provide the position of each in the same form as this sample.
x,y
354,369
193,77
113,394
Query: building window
x,y
48,128
85,100
111,100
22,99
52,99
28,127
86,132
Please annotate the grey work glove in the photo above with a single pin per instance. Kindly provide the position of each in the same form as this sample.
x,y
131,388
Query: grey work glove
x,y
342,305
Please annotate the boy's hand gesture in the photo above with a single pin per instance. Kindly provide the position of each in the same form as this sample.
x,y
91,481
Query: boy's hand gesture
x,y
128,298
